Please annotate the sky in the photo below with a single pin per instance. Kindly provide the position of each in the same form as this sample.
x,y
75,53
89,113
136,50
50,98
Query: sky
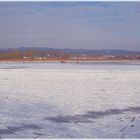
x,y
75,25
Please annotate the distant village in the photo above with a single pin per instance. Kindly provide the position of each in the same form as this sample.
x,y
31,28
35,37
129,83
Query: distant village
x,y
51,55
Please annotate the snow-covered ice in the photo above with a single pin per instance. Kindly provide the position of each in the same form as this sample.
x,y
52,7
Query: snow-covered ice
x,y
52,100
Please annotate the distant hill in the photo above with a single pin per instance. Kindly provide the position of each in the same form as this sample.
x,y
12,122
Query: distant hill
x,y
73,51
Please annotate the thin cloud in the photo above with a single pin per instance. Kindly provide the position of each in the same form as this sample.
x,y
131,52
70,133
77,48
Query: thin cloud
x,y
93,25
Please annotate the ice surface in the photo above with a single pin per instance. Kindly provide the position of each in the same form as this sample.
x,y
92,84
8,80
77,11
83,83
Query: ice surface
x,y
52,100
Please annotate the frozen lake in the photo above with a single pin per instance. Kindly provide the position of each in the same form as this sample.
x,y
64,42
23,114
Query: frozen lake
x,y
54,100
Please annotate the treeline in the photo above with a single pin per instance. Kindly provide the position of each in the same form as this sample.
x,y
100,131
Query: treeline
x,y
17,54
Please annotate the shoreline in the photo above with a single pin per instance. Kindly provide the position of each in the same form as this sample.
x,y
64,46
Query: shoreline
x,y
69,61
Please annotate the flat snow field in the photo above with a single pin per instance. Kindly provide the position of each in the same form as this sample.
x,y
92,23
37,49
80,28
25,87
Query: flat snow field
x,y
53,100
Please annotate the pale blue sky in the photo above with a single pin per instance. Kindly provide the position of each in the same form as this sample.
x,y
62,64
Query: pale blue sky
x,y
88,25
